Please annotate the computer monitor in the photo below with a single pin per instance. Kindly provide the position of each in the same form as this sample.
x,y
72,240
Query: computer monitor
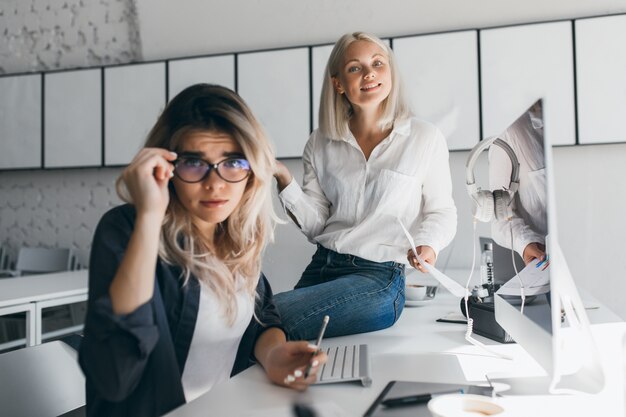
x,y
554,328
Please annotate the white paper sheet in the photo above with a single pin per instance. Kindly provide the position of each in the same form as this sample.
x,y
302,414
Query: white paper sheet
x,y
535,278
449,284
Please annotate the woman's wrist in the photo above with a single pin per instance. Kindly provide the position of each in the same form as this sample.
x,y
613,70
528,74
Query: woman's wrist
x,y
267,341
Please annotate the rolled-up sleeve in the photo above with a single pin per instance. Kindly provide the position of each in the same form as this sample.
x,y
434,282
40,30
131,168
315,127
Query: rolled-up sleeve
x,y
115,348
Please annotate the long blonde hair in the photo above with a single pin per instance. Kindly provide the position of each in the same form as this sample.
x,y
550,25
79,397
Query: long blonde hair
x,y
335,109
239,240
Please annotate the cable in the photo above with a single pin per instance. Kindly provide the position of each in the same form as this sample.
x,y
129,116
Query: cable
x,y
521,283
470,321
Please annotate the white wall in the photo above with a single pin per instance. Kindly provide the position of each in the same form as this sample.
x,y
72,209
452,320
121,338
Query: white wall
x,y
39,35
62,207
188,27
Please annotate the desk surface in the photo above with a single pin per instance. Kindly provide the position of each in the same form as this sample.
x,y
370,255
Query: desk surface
x,y
416,348
33,288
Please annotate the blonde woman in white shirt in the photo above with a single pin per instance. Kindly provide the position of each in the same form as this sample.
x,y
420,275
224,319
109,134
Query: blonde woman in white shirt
x,y
369,163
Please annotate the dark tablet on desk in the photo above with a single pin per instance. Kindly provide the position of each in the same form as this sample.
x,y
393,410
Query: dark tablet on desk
x,y
399,389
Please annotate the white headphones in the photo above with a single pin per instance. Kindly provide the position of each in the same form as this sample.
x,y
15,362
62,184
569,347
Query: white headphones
x,y
491,204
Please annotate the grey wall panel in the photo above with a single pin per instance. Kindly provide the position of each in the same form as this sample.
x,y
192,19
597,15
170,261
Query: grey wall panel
x,y
20,121
319,58
520,64
601,79
213,70
276,86
73,119
440,73
134,96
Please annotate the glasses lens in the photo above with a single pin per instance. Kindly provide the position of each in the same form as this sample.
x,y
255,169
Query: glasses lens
x,y
234,170
191,169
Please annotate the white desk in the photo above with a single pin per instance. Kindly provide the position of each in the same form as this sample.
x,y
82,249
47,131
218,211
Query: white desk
x,y
416,348
43,380
32,293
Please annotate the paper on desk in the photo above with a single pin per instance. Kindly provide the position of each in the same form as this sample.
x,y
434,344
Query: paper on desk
x,y
321,409
475,363
449,284
535,277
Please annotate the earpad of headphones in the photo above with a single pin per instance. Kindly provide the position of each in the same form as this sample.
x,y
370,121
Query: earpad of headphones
x,y
502,204
483,206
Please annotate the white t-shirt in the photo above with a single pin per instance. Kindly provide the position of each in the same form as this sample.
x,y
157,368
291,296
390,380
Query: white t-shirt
x,y
214,343
351,205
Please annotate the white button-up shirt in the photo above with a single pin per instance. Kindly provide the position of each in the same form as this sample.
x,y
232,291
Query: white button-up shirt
x,y
530,218
350,205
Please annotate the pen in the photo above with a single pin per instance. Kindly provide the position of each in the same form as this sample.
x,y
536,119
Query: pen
x,y
318,342
416,399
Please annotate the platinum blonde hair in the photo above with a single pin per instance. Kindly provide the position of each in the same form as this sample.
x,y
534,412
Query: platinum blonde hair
x,y
237,246
335,109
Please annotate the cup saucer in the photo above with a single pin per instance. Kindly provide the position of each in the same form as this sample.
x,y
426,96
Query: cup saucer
x,y
418,303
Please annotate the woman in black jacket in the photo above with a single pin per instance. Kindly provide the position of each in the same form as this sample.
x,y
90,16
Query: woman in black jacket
x,y
177,301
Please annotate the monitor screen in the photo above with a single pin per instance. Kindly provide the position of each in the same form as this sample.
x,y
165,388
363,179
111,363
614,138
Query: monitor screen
x,y
530,304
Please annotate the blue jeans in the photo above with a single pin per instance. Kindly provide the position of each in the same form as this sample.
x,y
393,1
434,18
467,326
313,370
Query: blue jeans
x,y
358,295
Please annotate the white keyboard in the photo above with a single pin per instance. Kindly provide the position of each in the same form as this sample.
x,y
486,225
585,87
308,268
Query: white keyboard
x,y
345,363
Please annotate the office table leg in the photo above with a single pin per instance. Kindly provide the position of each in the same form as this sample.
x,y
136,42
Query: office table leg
x,y
31,319
40,305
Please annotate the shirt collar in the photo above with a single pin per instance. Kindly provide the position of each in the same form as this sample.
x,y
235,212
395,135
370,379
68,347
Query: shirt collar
x,y
400,127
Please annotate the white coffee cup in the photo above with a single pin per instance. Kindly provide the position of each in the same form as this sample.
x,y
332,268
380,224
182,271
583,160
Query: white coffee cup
x,y
460,405
415,292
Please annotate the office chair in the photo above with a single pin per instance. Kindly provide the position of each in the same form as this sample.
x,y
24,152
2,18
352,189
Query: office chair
x,y
43,260
40,261
43,380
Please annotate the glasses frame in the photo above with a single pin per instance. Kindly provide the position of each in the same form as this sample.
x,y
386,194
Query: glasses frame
x,y
210,167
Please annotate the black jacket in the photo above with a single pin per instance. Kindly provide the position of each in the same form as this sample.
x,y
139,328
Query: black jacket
x,y
133,363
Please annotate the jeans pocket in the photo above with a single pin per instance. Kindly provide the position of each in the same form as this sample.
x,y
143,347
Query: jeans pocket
x,y
398,303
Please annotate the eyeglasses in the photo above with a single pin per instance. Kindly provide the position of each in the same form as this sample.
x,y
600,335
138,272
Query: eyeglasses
x,y
192,169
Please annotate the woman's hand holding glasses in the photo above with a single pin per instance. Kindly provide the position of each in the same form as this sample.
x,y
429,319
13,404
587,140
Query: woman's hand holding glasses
x,y
146,179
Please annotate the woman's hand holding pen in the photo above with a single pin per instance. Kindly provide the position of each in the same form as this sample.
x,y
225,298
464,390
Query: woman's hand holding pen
x,y
287,363
146,179
426,253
